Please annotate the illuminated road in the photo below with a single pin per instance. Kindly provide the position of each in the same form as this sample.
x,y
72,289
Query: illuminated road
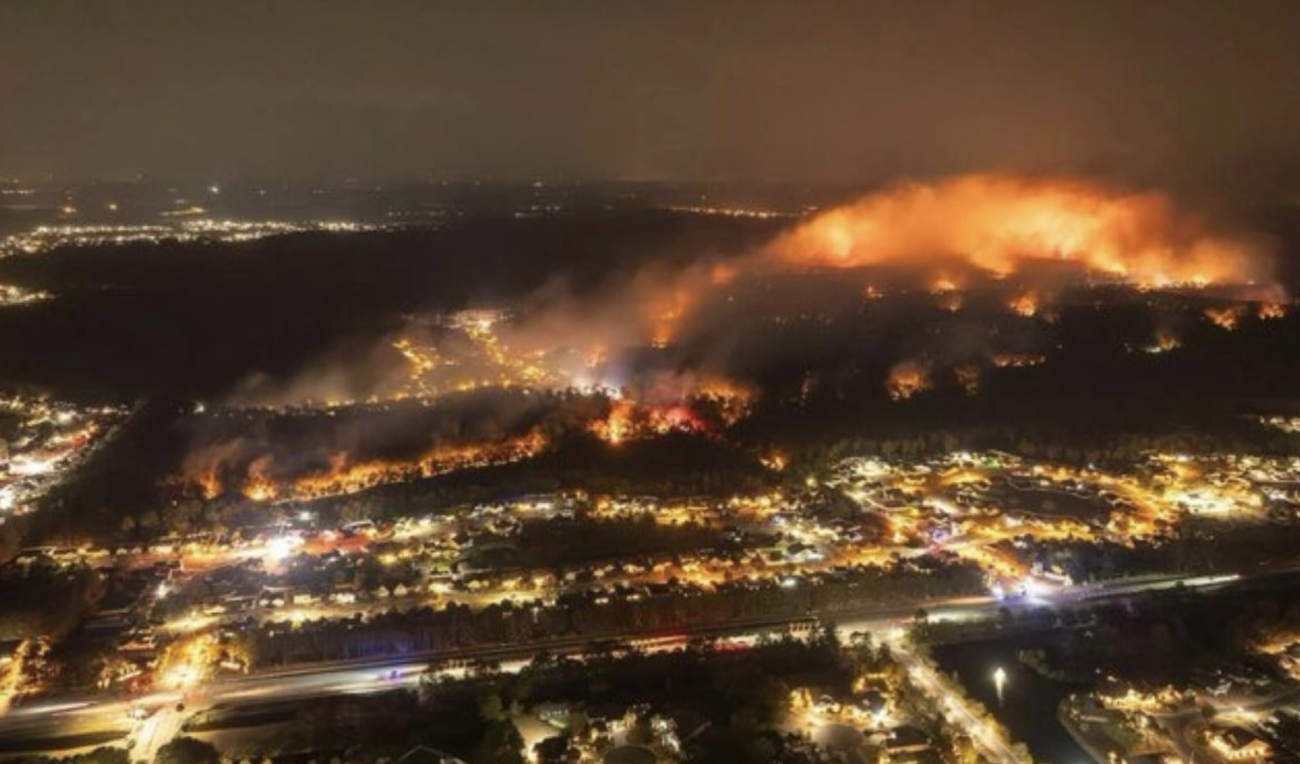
x,y
1242,711
954,707
70,717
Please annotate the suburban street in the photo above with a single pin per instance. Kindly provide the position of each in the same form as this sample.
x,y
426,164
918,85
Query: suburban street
x,y
62,723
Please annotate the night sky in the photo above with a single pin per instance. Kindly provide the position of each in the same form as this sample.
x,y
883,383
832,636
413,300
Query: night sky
x,y
1169,92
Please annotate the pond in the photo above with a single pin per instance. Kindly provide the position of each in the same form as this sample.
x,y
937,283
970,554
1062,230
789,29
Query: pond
x,y
1029,700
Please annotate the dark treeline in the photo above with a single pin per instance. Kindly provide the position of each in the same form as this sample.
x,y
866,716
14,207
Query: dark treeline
x,y
45,601
1081,429
191,320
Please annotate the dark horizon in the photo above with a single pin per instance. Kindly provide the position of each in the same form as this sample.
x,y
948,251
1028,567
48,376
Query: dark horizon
x,y
1178,95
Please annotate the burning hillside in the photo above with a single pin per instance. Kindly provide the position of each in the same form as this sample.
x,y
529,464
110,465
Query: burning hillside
x,y
691,345
272,454
305,453
999,224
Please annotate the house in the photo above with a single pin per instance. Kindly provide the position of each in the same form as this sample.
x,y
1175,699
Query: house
x,y
555,750
1237,744
876,703
907,744
422,754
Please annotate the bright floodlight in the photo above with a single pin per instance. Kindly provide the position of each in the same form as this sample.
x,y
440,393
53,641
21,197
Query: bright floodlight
x,y
278,549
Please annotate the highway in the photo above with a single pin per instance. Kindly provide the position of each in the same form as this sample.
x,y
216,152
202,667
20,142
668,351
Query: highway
x,y
100,715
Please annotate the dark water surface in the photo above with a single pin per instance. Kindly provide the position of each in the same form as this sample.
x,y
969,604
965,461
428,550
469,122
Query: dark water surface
x,y
1029,700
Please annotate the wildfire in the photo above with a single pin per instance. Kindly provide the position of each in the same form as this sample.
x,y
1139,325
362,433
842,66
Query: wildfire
x,y
668,314
1165,341
943,285
345,478
264,481
906,379
208,483
259,486
1018,360
999,223
731,400
1226,318
259,490
628,421
951,301
614,429
775,461
1270,310
1024,305
968,377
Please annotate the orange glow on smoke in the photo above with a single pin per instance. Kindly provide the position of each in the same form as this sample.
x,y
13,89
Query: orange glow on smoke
x,y
951,301
668,312
998,223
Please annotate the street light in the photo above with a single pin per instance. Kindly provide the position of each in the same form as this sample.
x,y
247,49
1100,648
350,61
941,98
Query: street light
x,y
999,680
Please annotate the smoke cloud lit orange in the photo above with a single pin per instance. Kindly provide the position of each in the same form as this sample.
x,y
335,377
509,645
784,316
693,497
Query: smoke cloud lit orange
x,y
999,223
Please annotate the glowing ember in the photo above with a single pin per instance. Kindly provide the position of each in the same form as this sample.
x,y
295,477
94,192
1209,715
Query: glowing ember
x,y
968,377
1017,360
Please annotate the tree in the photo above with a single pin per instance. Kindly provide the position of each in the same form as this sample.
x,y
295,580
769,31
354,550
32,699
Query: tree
x,y
491,708
104,755
187,750
501,744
